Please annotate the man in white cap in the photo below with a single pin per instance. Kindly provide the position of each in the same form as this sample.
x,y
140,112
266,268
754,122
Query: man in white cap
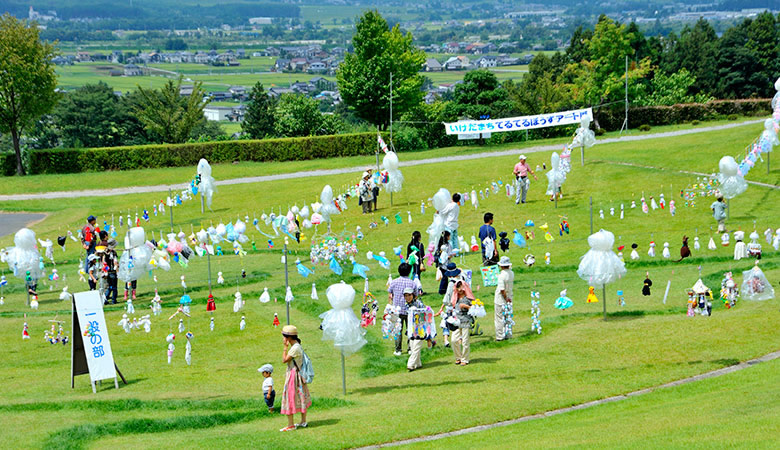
x,y
521,171
506,279
366,192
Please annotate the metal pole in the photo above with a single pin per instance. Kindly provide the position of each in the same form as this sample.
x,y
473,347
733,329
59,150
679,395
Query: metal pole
x,y
170,195
208,260
604,298
591,214
767,162
286,281
201,203
728,208
391,199
391,108
377,149
343,375
582,155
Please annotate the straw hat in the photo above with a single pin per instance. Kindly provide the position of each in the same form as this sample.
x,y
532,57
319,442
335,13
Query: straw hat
x,y
505,262
289,330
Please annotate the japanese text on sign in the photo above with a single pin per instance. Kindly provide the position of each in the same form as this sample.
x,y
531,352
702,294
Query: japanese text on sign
x,y
518,123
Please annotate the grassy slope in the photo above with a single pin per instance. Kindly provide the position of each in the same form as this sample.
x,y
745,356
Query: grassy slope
x,y
719,412
578,358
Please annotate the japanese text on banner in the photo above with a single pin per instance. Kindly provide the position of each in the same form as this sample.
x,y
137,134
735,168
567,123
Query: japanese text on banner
x,y
519,123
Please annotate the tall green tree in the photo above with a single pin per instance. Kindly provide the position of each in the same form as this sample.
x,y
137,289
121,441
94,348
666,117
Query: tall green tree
x,y
601,79
259,118
738,67
696,50
27,79
91,116
364,76
480,95
298,115
168,114
764,41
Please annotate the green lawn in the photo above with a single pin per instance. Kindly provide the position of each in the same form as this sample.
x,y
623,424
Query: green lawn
x,y
683,416
735,139
578,358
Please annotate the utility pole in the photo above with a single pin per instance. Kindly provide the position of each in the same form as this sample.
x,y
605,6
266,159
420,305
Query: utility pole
x,y
625,120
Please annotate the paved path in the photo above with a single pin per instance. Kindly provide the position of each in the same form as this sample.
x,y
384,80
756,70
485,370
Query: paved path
x,y
10,223
358,169
616,398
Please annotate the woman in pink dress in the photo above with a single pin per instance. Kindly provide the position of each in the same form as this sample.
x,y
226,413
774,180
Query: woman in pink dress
x,y
295,396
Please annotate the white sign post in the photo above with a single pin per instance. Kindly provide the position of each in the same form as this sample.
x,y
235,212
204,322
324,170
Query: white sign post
x,y
91,343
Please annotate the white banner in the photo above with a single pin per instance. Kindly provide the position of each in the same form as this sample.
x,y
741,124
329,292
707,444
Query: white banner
x,y
100,360
518,123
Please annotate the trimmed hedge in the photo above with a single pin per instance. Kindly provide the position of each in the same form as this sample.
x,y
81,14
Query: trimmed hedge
x,y
7,164
177,155
611,119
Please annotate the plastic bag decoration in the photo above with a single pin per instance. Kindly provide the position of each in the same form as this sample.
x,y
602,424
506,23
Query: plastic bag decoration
x,y
395,178
24,256
584,136
601,265
207,184
556,176
755,286
328,208
440,200
731,181
340,324
135,259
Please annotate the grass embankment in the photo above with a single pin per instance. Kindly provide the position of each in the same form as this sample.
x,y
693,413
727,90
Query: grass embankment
x,y
579,357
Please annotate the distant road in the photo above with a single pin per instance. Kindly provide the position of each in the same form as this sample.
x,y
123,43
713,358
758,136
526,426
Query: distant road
x,y
343,170
10,223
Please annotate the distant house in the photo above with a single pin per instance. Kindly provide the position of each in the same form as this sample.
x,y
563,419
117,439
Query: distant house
x,y
61,61
83,57
237,91
298,64
338,51
131,70
260,21
317,67
323,84
221,95
201,58
451,47
303,87
432,65
281,65
486,61
115,73
187,57
277,91
241,53
457,63
217,113
430,97
186,90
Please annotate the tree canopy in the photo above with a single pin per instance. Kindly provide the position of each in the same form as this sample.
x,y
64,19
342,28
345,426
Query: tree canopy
x,y
364,76
27,79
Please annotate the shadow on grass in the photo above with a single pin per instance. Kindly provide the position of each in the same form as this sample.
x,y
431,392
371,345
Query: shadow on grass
x,y
81,436
388,388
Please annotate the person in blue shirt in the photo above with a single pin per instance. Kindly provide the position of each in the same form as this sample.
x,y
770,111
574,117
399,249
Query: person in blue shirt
x,y
487,231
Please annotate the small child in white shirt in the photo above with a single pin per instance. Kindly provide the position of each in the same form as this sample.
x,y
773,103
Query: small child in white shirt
x,y
269,394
